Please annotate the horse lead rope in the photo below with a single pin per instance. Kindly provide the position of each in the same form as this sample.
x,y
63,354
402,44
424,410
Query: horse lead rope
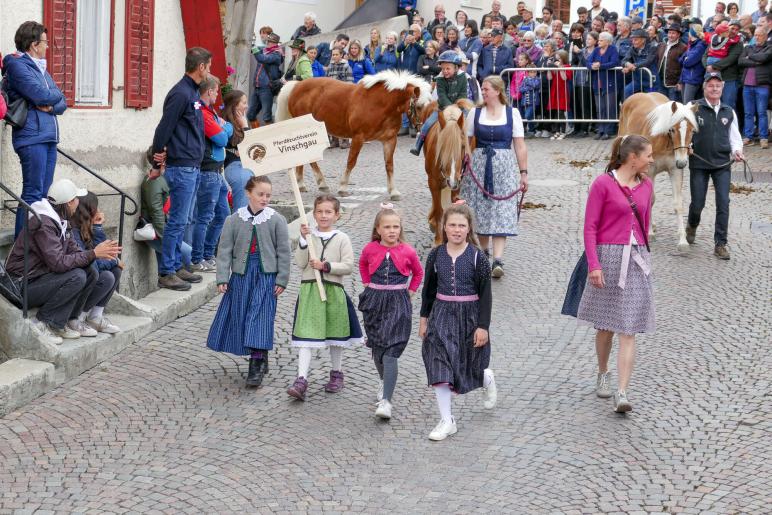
x,y
747,172
468,171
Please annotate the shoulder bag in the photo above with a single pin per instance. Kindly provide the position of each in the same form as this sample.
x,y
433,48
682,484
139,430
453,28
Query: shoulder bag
x,y
16,116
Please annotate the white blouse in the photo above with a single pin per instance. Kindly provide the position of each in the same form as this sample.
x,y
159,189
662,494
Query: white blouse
x,y
517,121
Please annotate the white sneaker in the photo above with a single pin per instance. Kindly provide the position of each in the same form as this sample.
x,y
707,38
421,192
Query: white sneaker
x,y
81,328
491,393
621,404
443,430
380,392
43,332
383,410
103,325
66,333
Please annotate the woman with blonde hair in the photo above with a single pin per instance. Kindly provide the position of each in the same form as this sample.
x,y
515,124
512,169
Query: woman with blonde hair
x,y
499,169
357,62
374,44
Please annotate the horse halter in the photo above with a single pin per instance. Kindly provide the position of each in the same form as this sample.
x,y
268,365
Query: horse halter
x,y
412,113
672,144
464,163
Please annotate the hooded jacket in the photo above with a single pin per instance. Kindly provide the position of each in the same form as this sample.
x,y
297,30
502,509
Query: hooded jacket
x,y
24,80
692,70
52,249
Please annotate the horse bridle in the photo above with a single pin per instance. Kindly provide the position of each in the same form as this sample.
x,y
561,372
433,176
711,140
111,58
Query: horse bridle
x,y
412,113
464,163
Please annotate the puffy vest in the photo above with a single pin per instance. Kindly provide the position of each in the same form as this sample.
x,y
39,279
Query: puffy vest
x,y
711,142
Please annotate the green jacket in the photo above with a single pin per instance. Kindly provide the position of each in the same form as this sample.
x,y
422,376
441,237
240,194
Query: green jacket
x,y
153,197
728,66
303,68
450,90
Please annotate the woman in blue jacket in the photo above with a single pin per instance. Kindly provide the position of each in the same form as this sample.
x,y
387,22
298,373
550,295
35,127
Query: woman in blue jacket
x,y
692,70
471,45
357,62
386,56
604,82
34,142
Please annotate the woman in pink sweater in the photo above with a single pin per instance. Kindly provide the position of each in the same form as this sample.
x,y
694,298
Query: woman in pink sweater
x,y
619,296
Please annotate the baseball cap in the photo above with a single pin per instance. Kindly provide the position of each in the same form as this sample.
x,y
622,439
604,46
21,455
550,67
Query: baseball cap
x,y
713,75
63,191
273,37
496,32
636,19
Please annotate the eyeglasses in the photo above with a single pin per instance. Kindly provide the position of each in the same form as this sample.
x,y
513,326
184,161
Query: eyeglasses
x,y
43,41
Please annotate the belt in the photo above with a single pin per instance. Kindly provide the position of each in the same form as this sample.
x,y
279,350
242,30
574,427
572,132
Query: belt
x,y
489,151
627,253
216,170
457,298
376,286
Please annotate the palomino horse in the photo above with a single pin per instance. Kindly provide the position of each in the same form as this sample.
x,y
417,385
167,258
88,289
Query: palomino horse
x,y
367,111
669,126
445,150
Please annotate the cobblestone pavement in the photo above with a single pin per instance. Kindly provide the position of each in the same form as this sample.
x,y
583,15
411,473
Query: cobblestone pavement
x,y
167,426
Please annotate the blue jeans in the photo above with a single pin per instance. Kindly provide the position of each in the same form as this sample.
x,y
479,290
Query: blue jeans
x,y
729,96
606,104
261,101
671,93
428,124
182,188
755,100
37,171
528,114
698,187
638,87
185,250
237,176
212,209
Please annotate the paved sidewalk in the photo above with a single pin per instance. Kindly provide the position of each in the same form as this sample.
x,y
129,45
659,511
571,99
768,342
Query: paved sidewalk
x,y
167,426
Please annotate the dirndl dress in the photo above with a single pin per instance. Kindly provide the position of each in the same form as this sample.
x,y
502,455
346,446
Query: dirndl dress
x,y
625,307
245,317
386,310
448,349
321,324
495,166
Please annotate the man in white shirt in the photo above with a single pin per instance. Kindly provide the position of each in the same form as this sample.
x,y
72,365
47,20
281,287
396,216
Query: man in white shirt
x,y
715,146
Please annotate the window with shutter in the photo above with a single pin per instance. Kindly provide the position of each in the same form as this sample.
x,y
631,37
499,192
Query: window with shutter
x,y
93,78
139,53
60,20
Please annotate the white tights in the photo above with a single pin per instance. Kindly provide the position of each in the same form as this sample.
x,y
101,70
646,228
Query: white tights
x,y
444,397
304,360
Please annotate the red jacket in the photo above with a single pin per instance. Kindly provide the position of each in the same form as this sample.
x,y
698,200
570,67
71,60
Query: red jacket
x,y
559,90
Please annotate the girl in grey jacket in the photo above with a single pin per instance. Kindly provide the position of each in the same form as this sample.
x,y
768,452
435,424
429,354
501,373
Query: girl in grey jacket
x,y
253,267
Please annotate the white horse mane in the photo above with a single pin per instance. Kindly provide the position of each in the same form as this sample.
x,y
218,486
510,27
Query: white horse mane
x,y
398,79
662,118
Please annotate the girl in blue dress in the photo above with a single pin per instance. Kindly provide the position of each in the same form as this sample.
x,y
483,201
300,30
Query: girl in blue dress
x,y
455,316
253,267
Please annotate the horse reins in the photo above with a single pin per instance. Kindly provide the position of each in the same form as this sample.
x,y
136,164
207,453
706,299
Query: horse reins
x,y
468,171
747,172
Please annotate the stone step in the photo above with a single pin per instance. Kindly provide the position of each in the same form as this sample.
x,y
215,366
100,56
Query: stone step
x,y
23,380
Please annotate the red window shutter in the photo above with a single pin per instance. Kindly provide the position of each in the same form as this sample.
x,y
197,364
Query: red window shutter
x,y
60,20
139,53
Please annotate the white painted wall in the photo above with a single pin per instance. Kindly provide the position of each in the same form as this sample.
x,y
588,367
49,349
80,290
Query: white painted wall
x,y
284,16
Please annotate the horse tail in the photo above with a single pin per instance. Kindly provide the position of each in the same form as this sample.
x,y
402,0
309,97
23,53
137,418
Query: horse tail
x,y
282,101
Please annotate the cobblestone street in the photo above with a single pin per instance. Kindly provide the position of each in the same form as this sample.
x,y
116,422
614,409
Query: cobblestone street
x,y
167,425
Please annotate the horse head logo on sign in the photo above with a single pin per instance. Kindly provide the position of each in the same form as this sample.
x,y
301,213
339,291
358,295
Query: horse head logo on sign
x,y
257,152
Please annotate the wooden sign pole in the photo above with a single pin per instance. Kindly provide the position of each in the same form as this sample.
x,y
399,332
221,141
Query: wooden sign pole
x,y
304,220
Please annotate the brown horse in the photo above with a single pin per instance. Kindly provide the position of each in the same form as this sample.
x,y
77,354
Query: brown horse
x,y
445,149
367,111
669,126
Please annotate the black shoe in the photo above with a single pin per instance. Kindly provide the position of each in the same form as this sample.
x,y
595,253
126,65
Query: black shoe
x,y
605,137
598,136
416,151
255,374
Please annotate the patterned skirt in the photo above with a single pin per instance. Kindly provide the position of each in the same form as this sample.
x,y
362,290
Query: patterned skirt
x,y
387,315
448,349
244,319
624,311
494,217
321,324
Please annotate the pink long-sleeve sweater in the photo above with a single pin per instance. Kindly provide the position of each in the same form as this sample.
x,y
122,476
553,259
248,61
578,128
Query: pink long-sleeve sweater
x,y
403,256
608,218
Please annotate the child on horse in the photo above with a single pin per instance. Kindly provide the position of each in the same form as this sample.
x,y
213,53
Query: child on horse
x,y
451,86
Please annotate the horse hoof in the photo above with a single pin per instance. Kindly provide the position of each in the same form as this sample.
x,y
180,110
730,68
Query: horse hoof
x,y
302,188
343,193
324,188
395,195
683,247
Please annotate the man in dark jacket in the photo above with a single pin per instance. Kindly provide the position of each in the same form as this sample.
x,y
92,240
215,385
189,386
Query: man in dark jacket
x,y
495,57
269,62
410,49
642,55
35,142
60,274
756,63
309,27
669,68
714,146
730,70
440,19
180,134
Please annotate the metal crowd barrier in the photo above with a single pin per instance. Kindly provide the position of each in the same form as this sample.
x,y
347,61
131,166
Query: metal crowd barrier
x,y
583,105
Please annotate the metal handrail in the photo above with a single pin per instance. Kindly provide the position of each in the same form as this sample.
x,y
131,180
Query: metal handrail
x,y
119,191
25,277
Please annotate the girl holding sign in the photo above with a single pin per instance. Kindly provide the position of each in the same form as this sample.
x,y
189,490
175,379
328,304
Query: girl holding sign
x,y
332,324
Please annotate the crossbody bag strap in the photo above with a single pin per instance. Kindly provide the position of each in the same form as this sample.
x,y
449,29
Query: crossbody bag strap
x,y
634,207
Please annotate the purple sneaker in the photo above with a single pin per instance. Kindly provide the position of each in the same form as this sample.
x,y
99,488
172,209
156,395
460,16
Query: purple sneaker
x,y
336,382
298,389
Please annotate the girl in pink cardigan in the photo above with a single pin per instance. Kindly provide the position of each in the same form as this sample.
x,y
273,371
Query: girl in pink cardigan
x,y
386,265
619,296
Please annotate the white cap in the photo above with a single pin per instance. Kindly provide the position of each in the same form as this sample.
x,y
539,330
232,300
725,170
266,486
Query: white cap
x,y
63,191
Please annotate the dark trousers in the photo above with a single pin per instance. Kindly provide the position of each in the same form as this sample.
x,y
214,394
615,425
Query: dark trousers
x,y
61,297
606,103
261,102
698,187
582,107
37,173
105,286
